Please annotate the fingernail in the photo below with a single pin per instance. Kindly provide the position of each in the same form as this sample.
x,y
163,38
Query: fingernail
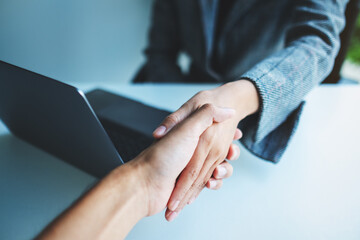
x,y
221,173
160,130
172,216
173,205
235,154
191,200
213,184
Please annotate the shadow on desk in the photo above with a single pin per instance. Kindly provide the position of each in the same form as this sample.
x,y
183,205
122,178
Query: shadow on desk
x,y
34,185
253,167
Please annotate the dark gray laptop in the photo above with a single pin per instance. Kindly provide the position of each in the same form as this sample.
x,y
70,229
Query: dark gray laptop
x,y
95,132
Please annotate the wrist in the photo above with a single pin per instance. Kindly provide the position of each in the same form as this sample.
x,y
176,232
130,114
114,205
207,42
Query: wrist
x,y
132,175
155,178
244,96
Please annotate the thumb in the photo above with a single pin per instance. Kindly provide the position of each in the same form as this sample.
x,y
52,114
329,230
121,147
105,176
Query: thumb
x,y
172,120
202,119
181,142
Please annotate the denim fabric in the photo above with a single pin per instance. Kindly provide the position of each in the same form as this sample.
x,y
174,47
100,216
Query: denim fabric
x,y
285,47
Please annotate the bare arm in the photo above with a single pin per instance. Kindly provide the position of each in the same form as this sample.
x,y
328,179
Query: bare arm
x,y
108,211
137,189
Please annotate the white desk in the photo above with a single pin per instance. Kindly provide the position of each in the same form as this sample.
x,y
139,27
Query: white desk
x,y
313,193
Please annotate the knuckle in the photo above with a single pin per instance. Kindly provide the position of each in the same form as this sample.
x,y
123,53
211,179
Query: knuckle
x,y
218,153
186,104
198,185
172,119
207,138
202,95
181,193
202,184
209,108
193,173
196,102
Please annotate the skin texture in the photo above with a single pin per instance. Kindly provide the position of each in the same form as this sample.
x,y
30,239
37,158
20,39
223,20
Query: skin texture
x,y
207,164
139,188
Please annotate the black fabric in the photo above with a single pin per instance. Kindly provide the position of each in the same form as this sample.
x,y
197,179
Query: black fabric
x,y
224,9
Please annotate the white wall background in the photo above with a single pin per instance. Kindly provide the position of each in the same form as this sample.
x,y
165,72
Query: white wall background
x,y
75,40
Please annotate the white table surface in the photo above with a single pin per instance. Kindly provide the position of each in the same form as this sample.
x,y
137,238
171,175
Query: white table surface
x,y
313,193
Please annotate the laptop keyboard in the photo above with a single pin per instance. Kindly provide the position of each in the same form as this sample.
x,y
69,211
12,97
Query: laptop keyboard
x,y
127,142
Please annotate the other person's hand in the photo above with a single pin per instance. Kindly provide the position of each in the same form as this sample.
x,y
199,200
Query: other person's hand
x,y
215,143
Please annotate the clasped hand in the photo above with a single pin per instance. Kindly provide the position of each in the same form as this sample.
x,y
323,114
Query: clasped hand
x,y
189,154
207,166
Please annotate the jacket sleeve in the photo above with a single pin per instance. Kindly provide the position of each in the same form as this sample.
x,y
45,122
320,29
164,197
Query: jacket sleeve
x,y
284,78
164,44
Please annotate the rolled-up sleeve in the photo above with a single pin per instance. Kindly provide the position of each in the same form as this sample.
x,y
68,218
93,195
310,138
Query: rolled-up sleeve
x,y
284,78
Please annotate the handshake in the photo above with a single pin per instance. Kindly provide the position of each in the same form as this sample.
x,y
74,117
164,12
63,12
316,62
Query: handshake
x,y
189,154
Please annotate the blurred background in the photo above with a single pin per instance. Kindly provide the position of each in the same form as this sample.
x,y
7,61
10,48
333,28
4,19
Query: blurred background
x,y
351,68
75,40
92,41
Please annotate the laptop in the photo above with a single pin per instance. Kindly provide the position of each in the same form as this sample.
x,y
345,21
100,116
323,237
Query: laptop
x,y
95,132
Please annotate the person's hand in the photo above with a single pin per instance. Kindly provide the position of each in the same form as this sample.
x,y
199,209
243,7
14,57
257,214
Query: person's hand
x,y
139,188
161,164
224,170
215,143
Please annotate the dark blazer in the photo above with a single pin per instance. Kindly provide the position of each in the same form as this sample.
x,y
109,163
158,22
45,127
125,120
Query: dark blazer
x,y
285,47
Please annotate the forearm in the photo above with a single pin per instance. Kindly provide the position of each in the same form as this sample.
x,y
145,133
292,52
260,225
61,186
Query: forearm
x,y
108,211
287,76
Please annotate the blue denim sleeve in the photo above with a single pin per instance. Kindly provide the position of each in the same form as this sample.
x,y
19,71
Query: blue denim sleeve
x,y
284,78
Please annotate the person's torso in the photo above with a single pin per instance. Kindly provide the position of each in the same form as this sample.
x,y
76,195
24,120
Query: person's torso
x,y
247,32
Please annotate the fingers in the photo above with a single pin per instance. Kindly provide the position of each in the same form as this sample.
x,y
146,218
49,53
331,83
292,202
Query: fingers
x,y
189,174
200,120
206,116
189,178
224,170
213,184
203,118
234,152
220,114
172,120
203,162
170,216
195,189
202,182
197,186
238,134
